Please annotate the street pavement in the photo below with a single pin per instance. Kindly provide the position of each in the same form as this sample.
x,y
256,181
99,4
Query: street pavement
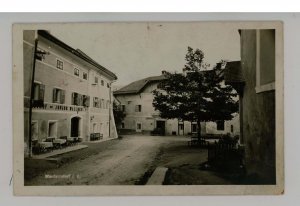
x,y
120,162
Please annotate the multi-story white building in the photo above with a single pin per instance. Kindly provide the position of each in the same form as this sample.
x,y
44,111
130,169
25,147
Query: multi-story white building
x,y
136,101
72,94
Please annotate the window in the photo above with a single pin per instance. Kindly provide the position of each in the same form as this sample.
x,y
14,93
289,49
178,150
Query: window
x,y
123,125
159,85
52,129
85,100
38,95
138,108
76,72
220,125
40,54
107,85
96,80
102,83
139,126
96,102
123,107
58,96
76,99
84,75
231,128
59,64
38,91
265,60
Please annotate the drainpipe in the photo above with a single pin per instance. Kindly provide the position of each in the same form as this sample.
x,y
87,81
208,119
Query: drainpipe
x,y
31,97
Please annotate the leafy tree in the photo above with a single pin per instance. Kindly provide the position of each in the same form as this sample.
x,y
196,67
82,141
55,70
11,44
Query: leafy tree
x,y
198,94
119,114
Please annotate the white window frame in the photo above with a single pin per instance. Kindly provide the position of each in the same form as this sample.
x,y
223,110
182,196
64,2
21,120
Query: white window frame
x,y
265,87
52,121
39,83
61,90
57,59
96,77
86,75
96,100
138,108
76,69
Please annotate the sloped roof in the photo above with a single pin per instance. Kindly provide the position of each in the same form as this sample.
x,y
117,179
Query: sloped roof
x,y
76,52
233,72
139,85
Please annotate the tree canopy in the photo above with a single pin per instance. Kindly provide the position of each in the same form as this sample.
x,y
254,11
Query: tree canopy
x,y
198,94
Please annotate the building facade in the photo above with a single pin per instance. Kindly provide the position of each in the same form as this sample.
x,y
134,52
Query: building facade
x,y
255,81
136,100
72,94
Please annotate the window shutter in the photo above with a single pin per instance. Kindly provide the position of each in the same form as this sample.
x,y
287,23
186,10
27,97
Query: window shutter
x,y
136,108
87,101
62,96
73,98
54,95
41,92
80,100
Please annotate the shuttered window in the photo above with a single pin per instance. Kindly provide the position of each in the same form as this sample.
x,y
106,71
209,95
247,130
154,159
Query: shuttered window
x,y
76,99
84,75
138,108
58,96
86,100
96,102
38,92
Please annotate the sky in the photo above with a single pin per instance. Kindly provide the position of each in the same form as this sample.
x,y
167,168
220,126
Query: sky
x,y
138,50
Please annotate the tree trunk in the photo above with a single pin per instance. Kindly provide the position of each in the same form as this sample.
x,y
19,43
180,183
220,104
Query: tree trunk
x,y
199,129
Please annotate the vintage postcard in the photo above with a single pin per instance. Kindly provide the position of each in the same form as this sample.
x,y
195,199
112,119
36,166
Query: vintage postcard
x,y
148,108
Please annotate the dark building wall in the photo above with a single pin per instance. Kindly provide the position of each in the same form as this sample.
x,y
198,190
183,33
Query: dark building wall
x,y
258,115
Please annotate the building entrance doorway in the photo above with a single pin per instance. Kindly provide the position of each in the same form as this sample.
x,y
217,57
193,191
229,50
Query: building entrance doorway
x,y
75,127
138,127
181,128
161,126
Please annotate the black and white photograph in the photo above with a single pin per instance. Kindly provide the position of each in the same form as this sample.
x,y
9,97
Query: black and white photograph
x,y
148,108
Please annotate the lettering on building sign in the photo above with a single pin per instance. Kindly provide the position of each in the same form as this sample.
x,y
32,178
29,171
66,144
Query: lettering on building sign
x,y
49,106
